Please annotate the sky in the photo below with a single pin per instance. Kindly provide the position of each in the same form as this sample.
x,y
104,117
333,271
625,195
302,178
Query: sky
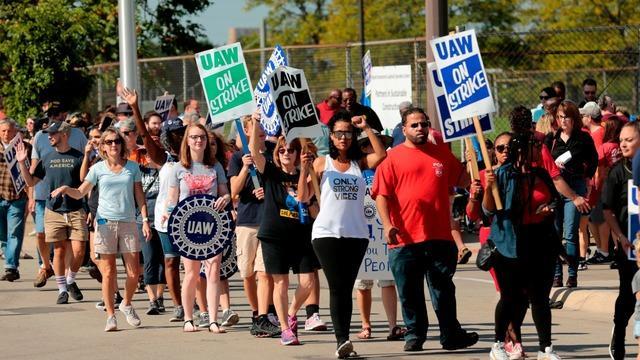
x,y
223,14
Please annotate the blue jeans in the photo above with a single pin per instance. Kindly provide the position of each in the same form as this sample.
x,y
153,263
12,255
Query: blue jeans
x,y
434,260
567,224
12,230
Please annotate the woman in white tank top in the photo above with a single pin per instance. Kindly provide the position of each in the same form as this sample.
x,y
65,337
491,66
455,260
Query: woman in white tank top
x,y
340,234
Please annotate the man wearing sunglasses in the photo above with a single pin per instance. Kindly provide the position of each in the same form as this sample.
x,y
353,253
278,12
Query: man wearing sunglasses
x,y
64,218
411,189
589,90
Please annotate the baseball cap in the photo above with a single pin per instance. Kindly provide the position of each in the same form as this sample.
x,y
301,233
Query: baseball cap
x,y
127,124
172,125
591,109
54,108
124,108
57,126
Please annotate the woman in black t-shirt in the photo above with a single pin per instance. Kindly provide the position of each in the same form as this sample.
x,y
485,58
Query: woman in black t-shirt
x,y
614,203
285,239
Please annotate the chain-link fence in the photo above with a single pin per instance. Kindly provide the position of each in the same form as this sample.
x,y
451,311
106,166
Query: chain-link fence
x,y
519,65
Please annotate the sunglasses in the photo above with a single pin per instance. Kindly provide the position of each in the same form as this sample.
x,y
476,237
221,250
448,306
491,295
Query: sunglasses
x,y
502,148
542,97
114,141
198,137
343,134
126,133
590,92
282,150
422,124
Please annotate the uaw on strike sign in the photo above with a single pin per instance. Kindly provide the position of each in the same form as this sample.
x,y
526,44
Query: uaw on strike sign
x,y
462,74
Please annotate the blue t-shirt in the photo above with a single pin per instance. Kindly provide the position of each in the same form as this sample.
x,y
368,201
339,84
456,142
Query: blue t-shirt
x,y
41,147
117,200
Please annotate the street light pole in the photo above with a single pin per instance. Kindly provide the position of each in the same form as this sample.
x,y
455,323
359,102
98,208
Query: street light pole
x,y
362,47
128,48
436,18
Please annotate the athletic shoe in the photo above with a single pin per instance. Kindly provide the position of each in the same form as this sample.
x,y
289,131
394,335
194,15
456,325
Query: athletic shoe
x,y
42,277
63,298
273,318
10,275
464,255
289,338
292,321
498,352
118,300
599,258
101,306
178,314
254,326
95,273
613,265
229,318
74,291
582,265
413,345
548,354
130,313
557,282
153,308
161,307
514,350
572,282
112,324
24,255
203,320
314,323
264,327
464,340
345,350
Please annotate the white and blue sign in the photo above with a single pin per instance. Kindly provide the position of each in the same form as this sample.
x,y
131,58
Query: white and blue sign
x,y
463,76
197,231
12,164
366,71
270,119
163,105
375,265
453,130
633,221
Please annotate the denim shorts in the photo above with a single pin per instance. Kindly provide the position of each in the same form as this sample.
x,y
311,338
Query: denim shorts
x,y
636,329
39,218
167,247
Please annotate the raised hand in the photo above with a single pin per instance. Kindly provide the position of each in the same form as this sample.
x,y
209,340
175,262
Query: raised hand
x,y
130,96
21,152
359,121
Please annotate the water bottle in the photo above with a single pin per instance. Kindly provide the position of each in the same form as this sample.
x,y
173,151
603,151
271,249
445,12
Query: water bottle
x,y
303,212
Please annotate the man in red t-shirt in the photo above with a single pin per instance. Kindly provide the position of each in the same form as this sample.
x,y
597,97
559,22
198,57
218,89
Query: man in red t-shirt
x,y
329,106
411,189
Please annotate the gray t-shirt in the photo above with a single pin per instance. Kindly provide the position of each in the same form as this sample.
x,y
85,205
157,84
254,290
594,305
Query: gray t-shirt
x,y
635,287
41,147
200,179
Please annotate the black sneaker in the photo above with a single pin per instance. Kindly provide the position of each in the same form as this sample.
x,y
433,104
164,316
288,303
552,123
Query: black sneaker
x,y
117,300
153,308
413,345
599,258
63,298
95,273
101,306
10,275
264,328
74,291
464,340
613,265
161,307
254,326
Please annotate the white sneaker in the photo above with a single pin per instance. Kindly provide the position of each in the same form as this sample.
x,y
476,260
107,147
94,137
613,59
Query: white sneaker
x,y
130,313
314,323
112,324
498,352
548,354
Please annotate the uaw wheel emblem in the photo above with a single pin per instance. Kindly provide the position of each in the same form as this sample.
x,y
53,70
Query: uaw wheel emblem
x,y
229,264
197,231
370,211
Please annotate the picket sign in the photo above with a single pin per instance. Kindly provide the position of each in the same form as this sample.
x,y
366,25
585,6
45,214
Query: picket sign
x,y
163,105
269,117
633,222
245,150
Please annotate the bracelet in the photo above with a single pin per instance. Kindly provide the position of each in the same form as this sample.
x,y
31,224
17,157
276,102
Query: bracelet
x,y
145,219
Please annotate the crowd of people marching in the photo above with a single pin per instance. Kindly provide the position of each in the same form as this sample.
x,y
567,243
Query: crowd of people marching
x,y
103,189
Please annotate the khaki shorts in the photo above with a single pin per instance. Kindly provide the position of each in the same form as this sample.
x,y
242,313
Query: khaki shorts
x,y
368,284
68,226
116,237
249,251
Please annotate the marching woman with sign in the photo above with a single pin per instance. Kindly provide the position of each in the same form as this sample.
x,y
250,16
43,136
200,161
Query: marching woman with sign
x,y
615,203
524,236
340,233
199,173
285,230
120,190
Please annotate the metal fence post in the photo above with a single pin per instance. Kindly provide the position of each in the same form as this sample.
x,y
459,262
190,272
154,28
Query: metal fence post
x,y
416,73
347,63
184,80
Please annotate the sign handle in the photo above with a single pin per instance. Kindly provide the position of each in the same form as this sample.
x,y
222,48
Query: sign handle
x,y
472,164
487,161
245,149
314,177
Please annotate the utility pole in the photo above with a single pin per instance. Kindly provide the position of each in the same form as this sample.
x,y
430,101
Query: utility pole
x,y
362,47
128,48
436,18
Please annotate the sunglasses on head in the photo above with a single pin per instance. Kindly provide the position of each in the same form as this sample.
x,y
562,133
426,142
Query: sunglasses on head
x,y
289,150
502,148
422,124
343,134
114,141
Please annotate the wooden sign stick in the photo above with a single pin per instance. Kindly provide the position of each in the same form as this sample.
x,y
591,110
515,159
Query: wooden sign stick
x,y
487,161
472,165
314,177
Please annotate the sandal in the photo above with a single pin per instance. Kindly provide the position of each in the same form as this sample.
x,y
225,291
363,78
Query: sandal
x,y
189,327
215,328
463,256
396,334
365,334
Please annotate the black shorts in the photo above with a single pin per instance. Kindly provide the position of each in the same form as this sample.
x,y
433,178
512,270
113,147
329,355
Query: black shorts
x,y
281,257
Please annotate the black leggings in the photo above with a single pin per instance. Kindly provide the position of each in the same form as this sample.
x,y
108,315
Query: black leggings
x,y
625,303
523,280
340,259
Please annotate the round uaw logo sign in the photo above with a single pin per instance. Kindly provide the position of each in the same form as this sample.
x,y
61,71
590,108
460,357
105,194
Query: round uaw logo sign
x,y
370,211
197,231
229,264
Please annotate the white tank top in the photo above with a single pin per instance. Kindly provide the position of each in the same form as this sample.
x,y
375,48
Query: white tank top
x,y
341,203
